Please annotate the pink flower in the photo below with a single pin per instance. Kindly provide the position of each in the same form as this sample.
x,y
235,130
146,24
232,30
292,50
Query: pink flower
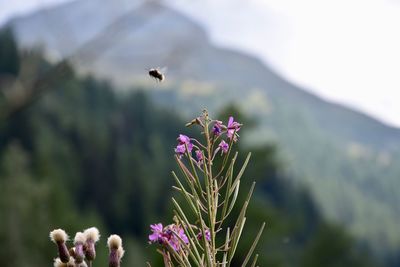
x,y
183,236
217,128
224,146
233,127
173,240
157,235
199,157
208,235
180,149
184,141
168,235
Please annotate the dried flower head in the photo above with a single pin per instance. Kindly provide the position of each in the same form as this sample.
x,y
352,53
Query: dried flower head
x,y
79,238
120,252
79,241
92,236
114,243
59,237
69,263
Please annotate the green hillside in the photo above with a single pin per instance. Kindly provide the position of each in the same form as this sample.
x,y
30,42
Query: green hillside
x,y
81,154
349,161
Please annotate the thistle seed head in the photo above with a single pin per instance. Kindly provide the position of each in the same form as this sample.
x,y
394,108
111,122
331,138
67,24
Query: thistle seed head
x,y
80,238
92,233
114,242
58,235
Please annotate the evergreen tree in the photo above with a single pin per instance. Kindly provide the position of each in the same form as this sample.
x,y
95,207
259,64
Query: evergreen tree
x,y
9,56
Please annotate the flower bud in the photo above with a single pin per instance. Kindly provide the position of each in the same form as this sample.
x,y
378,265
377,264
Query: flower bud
x,y
114,244
92,236
195,121
59,237
79,240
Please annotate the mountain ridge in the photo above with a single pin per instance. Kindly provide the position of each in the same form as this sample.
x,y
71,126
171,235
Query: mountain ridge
x,y
328,145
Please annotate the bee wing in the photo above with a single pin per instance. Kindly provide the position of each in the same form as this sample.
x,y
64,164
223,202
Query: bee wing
x,y
163,70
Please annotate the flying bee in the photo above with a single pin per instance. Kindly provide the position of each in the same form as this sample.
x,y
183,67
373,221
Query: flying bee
x,y
157,74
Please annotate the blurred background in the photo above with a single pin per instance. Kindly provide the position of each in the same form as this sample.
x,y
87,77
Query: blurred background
x,y
87,137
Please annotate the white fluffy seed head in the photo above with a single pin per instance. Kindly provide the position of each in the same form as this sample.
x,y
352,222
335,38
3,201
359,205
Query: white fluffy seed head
x,y
59,263
79,238
92,233
71,262
120,252
114,241
82,264
58,235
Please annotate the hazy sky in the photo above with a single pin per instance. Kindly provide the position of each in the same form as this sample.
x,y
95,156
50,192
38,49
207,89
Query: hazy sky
x,y
347,51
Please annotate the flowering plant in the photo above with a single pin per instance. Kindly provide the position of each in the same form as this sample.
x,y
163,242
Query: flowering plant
x,y
210,191
83,252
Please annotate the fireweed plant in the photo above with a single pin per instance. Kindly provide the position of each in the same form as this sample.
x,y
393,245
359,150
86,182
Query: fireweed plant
x,y
209,188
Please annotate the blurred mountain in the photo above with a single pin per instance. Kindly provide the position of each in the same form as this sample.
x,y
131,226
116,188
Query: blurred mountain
x,y
351,162
83,155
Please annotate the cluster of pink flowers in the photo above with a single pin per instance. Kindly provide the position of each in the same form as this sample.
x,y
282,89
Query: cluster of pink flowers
x,y
169,235
185,143
172,235
231,129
